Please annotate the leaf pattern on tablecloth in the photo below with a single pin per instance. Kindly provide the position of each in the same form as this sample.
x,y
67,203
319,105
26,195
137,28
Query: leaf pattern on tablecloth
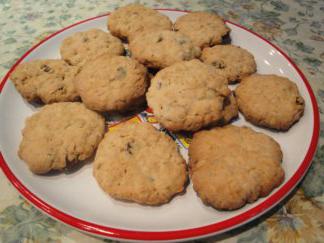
x,y
23,221
313,183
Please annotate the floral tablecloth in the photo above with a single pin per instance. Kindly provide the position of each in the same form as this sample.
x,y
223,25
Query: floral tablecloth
x,y
296,26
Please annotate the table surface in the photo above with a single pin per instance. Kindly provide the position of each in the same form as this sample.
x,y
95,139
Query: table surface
x,y
297,27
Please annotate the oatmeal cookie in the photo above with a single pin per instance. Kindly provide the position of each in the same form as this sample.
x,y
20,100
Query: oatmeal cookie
x,y
188,95
231,61
231,166
160,49
203,28
269,100
60,134
46,80
133,19
138,163
81,47
112,83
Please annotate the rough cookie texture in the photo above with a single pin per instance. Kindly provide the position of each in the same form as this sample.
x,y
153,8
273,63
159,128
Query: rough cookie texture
x,y
133,19
138,163
112,83
230,109
270,101
188,96
203,28
232,166
46,80
81,47
58,134
161,49
231,61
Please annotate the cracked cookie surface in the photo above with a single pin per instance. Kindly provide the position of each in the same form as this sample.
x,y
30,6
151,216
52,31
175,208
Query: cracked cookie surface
x,y
112,83
231,166
231,61
135,19
81,47
138,163
59,134
269,100
203,28
189,95
160,49
46,80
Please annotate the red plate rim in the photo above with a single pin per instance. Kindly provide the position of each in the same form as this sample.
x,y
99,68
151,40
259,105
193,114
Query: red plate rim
x,y
211,229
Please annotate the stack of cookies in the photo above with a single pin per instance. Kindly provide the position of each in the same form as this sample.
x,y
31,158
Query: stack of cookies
x,y
184,73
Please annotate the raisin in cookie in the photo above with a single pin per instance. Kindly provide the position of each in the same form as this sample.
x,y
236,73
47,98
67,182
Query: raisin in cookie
x,y
133,19
46,80
81,47
138,163
230,110
231,61
188,95
59,134
203,28
269,100
161,49
231,166
112,83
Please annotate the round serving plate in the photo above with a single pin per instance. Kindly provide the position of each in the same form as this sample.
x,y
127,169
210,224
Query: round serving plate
x,y
76,199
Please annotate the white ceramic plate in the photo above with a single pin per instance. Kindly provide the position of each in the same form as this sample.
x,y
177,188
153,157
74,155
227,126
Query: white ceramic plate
x,y
77,200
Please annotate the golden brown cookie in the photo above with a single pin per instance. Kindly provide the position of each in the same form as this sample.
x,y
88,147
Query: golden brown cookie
x,y
59,134
203,28
189,95
138,163
81,47
231,61
230,109
231,166
46,80
112,83
133,19
160,49
269,100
